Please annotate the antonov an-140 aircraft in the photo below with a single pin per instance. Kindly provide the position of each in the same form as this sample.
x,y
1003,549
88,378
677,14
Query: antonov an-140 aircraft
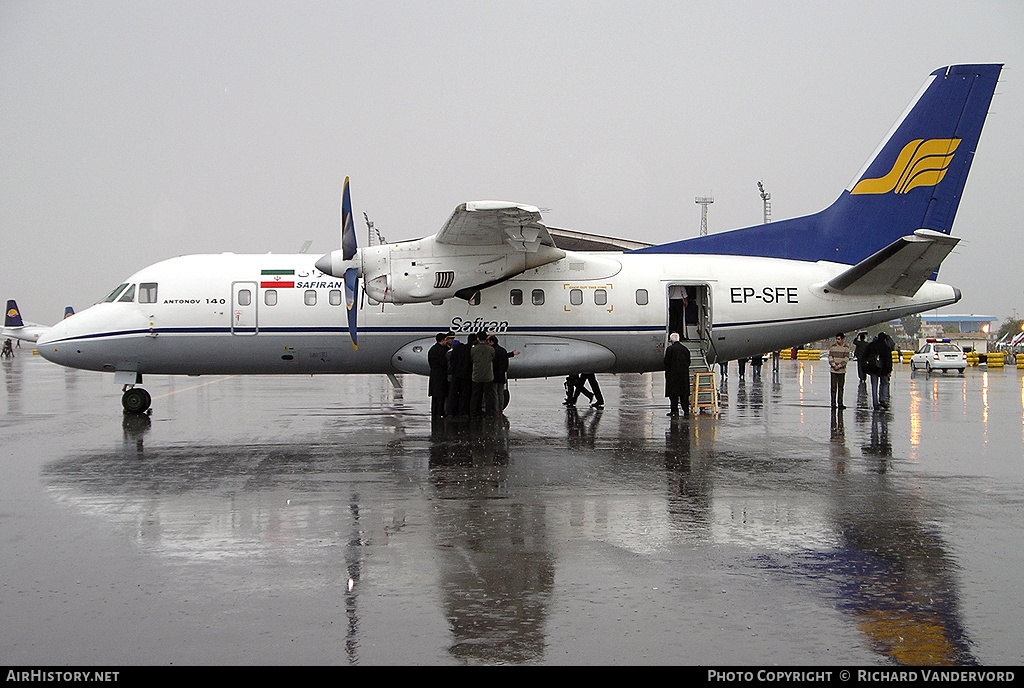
x,y
870,257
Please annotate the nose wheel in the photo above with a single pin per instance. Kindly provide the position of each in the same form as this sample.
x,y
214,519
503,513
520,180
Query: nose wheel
x,y
136,400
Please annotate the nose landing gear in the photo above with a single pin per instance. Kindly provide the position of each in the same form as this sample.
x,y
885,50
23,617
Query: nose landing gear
x,y
136,400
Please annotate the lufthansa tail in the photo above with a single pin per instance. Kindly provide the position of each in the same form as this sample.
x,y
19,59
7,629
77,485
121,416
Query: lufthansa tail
x,y
12,318
914,181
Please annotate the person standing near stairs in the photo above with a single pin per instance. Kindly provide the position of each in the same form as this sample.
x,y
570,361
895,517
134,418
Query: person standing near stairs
x,y
677,376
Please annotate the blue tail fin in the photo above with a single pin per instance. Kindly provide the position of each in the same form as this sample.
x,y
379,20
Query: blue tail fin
x,y
13,317
914,181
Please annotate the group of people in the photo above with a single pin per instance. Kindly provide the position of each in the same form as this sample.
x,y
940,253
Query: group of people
x,y
874,362
470,379
755,366
8,350
467,379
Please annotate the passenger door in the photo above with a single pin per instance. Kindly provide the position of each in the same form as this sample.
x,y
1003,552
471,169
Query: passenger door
x,y
243,308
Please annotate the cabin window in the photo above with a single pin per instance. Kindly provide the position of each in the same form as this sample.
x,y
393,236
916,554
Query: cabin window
x,y
537,297
113,295
147,292
575,296
270,297
310,297
516,297
335,297
601,297
641,297
129,295
244,297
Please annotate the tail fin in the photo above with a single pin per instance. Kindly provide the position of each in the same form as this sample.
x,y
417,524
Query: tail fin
x,y
68,311
13,316
913,181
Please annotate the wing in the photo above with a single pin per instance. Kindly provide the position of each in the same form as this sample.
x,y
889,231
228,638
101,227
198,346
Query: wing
x,y
496,223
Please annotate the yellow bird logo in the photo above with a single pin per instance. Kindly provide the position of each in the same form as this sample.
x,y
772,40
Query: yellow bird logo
x,y
920,163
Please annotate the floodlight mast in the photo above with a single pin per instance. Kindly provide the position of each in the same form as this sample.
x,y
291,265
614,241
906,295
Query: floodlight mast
x,y
766,199
704,202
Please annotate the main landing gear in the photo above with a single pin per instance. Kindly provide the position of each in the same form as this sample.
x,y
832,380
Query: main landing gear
x,y
135,400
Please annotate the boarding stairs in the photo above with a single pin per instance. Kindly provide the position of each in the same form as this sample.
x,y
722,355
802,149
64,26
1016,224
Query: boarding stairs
x,y
703,392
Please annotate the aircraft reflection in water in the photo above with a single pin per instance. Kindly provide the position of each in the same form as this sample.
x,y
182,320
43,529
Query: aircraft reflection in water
x,y
346,516
497,568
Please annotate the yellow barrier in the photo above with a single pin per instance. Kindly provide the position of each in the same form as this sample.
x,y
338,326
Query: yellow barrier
x,y
907,355
995,360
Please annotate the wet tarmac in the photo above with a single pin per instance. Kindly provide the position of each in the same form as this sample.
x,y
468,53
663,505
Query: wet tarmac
x,y
326,520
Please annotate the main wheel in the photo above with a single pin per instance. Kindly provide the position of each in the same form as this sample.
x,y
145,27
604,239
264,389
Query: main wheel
x,y
136,400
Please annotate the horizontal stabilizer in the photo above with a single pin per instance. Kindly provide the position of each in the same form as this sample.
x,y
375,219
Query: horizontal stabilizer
x,y
900,268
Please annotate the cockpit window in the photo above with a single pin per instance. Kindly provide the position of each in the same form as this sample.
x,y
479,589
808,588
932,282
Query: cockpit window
x,y
129,295
113,295
147,292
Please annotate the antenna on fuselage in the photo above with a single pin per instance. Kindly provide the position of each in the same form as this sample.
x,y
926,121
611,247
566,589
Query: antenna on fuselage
x,y
704,202
766,200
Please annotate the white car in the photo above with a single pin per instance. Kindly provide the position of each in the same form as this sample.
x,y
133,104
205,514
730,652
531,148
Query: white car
x,y
939,354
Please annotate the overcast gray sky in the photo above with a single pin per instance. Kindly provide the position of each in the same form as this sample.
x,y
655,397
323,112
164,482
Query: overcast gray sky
x,y
134,131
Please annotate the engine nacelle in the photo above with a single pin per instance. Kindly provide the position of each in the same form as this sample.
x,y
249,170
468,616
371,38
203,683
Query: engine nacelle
x,y
426,270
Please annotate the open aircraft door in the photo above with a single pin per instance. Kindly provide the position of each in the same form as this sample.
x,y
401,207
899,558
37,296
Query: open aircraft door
x,y
689,311
243,308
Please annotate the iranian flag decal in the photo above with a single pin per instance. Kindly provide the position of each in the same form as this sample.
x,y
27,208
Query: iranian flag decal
x,y
277,279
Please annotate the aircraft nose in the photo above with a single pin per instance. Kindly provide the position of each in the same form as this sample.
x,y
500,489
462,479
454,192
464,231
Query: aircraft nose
x,y
45,343
49,335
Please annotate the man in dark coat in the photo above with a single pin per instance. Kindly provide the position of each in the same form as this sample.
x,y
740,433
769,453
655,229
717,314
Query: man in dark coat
x,y
677,376
462,376
501,359
878,363
860,352
437,359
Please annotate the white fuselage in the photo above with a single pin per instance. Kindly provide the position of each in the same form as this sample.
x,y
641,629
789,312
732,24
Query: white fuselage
x,y
588,312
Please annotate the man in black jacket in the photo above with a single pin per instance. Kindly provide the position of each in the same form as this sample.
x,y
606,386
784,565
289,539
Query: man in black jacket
x,y
878,363
860,352
501,359
462,376
677,376
437,359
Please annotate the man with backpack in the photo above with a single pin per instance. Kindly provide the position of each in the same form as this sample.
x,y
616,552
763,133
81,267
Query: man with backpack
x,y
878,363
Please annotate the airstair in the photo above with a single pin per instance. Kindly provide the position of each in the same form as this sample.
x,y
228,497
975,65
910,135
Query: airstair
x,y
703,391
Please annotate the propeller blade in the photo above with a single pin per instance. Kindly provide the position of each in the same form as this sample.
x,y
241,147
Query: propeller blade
x,y
348,232
351,287
349,249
